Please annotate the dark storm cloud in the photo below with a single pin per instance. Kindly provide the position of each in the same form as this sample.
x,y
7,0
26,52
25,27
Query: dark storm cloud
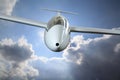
x,y
100,58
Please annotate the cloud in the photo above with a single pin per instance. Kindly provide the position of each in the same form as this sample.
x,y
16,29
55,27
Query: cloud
x,y
52,69
97,59
20,50
85,59
7,6
71,54
14,60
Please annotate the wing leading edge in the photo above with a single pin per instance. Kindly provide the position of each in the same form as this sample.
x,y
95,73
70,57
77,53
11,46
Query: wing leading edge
x,y
95,30
23,21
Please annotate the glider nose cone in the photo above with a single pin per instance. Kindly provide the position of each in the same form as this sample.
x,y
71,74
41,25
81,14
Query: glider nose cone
x,y
57,44
57,47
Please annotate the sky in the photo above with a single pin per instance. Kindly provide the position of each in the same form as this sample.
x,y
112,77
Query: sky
x,y
24,56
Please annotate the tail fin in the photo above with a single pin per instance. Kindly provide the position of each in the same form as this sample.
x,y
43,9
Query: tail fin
x,y
60,11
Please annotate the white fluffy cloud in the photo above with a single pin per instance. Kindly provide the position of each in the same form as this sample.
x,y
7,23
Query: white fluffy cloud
x,y
96,58
84,57
14,60
80,46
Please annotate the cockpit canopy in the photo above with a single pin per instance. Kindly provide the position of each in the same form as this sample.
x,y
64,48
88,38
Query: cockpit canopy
x,y
57,20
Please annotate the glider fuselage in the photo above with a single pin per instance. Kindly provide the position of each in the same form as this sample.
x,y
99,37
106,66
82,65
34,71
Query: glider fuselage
x,y
57,36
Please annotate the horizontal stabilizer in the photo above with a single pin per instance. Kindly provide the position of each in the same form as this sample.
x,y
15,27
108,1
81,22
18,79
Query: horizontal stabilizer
x,y
60,11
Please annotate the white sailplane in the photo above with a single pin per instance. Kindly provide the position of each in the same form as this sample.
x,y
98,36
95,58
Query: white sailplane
x,y
57,30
